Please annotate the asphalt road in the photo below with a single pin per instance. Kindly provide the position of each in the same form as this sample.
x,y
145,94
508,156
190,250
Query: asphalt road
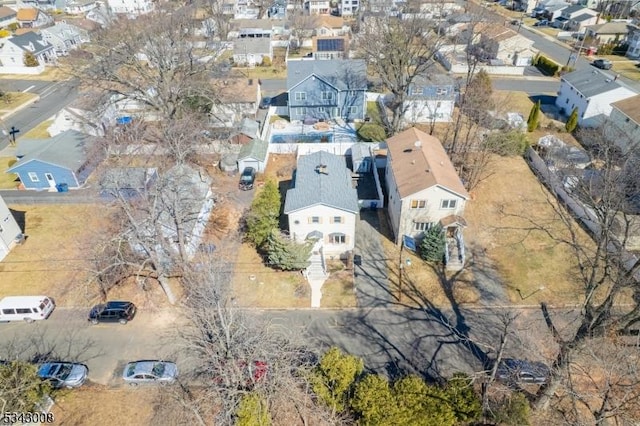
x,y
53,97
550,85
426,341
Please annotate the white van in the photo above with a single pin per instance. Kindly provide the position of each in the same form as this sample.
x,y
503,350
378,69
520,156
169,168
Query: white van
x,y
26,308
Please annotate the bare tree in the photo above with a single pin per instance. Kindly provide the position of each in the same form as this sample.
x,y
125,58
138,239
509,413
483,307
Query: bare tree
x,y
396,51
220,18
302,27
602,200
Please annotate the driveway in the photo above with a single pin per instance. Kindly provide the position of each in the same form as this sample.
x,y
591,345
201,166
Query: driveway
x,y
372,284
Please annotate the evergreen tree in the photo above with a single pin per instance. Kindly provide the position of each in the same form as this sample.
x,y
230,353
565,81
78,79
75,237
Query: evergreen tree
x,y
333,379
374,401
572,122
286,254
462,398
262,219
534,117
433,244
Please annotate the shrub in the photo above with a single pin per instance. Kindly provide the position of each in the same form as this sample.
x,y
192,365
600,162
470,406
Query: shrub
x,y
433,245
30,60
13,26
4,33
572,122
266,61
512,410
546,65
252,411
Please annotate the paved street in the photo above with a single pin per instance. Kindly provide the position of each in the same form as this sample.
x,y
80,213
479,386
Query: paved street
x,y
529,86
428,340
53,97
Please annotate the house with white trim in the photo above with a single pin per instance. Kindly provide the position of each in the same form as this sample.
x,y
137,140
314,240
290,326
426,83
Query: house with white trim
x,y
10,232
623,125
424,191
322,204
131,8
591,91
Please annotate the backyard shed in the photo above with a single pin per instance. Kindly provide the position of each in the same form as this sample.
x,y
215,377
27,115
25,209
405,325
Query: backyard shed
x,y
254,154
361,158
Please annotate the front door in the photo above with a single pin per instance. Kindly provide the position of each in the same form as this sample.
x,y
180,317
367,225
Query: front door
x,y
50,179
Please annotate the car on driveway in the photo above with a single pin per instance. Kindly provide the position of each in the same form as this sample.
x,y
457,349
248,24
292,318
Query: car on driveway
x,y
518,371
114,311
603,64
247,178
148,372
265,102
63,374
542,23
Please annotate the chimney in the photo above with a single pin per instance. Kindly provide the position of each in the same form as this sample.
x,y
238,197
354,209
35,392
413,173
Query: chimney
x,y
321,169
417,143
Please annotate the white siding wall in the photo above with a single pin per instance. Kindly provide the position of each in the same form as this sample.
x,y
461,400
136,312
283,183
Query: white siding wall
x,y
9,229
299,231
421,111
622,131
601,105
432,210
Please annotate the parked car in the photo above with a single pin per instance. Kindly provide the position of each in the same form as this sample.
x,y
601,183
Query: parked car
x,y
146,372
114,311
512,371
265,103
603,64
541,23
247,178
64,374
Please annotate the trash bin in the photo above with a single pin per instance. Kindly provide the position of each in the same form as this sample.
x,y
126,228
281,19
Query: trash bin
x,y
62,187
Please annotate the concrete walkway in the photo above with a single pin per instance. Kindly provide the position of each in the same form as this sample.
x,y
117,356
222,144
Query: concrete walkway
x,y
372,284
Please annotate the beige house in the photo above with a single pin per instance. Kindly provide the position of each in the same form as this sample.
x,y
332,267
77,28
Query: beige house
x,y
608,32
327,25
623,125
424,190
237,98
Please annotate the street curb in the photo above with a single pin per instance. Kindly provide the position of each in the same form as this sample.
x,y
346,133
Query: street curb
x,y
20,107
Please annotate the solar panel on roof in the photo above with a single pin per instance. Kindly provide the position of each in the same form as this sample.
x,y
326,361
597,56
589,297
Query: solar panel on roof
x,y
331,45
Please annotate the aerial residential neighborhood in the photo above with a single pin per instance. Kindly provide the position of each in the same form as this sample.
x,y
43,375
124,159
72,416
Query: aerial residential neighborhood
x,y
353,212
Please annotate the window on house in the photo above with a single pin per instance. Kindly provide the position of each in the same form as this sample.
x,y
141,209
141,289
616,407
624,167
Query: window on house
x,y
418,204
422,226
448,204
301,111
314,219
300,96
353,110
326,96
321,110
416,90
34,177
441,91
337,219
438,104
337,238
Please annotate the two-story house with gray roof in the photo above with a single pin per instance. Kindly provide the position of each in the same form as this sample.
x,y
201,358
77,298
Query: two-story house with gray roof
x,y
431,99
575,18
328,89
252,51
64,37
12,50
45,163
592,92
322,205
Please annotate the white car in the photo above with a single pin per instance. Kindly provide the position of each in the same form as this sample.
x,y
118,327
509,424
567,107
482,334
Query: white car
x,y
142,372
64,374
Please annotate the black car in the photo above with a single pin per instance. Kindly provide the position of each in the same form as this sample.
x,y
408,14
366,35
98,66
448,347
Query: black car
x,y
247,178
513,371
265,102
603,64
114,311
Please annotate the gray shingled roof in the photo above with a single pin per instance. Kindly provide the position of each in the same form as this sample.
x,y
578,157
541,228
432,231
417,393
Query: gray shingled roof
x,y
574,8
24,41
256,149
67,149
590,82
583,17
341,73
260,45
332,188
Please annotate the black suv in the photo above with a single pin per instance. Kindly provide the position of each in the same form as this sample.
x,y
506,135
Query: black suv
x,y
247,178
121,312
516,371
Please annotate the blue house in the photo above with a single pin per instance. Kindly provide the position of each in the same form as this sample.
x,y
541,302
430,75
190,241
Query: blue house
x,y
430,99
45,163
327,89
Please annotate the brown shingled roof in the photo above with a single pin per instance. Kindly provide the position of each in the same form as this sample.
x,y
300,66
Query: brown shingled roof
x,y
629,107
27,14
6,12
418,162
329,21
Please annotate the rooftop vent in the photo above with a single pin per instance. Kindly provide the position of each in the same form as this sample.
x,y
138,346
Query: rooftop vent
x,y
321,169
408,150
417,144
413,161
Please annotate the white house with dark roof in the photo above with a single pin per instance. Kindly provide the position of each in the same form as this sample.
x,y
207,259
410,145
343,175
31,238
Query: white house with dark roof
x,y
424,191
10,232
576,18
131,8
322,204
13,49
592,92
431,99
79,7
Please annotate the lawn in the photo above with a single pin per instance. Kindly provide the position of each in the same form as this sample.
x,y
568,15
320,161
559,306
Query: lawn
x,y
38,132
627,69
15,99
338,291
50,73
258,286
54,258
373,130
7,180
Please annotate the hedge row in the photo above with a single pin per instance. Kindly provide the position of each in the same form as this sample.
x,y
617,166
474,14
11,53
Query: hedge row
x,y
546,65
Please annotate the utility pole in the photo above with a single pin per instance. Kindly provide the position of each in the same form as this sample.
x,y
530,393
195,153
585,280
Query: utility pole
x,y
400,268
